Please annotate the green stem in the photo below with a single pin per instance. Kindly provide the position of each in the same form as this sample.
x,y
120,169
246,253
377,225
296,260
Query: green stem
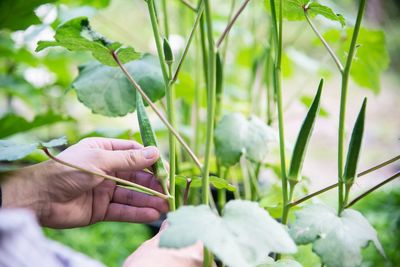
x,y
189,5
129,185
210,102
222,192
165,16
354,201
278,85
343,102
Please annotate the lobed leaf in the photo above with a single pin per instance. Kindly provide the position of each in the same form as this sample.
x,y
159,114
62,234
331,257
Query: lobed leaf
x,y
353,154
106,90
215,181
294,10
300,148
55,142
77,35
337,240
236,135
242,237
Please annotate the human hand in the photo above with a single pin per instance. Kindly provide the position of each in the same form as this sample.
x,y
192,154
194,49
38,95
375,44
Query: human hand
x,y
149,254
63,197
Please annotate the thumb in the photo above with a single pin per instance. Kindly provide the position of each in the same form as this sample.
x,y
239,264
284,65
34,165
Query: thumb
x,y
129,160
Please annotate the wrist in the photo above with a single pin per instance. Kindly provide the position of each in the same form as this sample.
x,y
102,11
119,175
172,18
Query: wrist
x,y
24,188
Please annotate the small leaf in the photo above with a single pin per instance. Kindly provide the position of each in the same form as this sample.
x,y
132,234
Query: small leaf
x,y
217,182
337,240
294,10
353,154
242,237
236,135
10,151
300,148
55,142
371,57
307,101
77,35
106,90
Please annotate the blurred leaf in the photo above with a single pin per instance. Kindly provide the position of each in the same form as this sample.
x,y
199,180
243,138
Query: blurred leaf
x,y
19,14
243,236
353,154
235,135
217,182
337,240
294,10
307,100
184,87
10,151
12,124
77,35
93,3
106,90
301,145
371,57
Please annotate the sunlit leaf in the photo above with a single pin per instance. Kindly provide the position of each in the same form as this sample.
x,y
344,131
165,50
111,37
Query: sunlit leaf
x,y
269,262
55,142
10,151
106,90
371,57
77,35
337,240
242,237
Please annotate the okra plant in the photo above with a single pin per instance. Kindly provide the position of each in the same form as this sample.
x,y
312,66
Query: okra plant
x,y
228,150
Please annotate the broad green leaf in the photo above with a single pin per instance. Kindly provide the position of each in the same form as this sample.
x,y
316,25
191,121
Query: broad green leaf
x,y
106,90
337,240
242,237
294,10
19,14
236,135
77,35
300,148
371,57
269,262
12,123
217,182
55,142
92,3
353,154
10,151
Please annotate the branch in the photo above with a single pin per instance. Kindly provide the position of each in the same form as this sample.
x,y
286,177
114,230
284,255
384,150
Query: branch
x,y
331,52
354,201
159,114
185,51
127,184
381,165
189,5
230,24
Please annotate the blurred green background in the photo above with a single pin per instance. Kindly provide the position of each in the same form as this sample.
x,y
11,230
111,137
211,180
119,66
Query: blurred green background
x,y
35,91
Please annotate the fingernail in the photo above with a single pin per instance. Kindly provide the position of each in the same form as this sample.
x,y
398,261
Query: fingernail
x,y
150,152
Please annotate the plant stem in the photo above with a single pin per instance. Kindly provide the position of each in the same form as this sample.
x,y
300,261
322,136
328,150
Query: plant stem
x,y
343,102
189,5
165,17
230,24
383,164
278,85
138,187
324,42
157,111
210,102
354,201
189,41
187,189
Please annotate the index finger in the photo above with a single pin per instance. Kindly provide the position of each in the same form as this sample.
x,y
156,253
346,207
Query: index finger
x,y
110,143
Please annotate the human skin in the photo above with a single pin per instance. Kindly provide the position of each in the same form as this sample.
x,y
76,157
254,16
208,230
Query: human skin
x,y
63,197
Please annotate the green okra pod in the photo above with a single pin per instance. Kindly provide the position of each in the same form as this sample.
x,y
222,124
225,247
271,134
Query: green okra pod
x,y
149,139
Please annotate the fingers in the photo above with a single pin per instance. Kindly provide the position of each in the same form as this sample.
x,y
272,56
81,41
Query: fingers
x,y
141,177
137,199
110,143
128,160
123,213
